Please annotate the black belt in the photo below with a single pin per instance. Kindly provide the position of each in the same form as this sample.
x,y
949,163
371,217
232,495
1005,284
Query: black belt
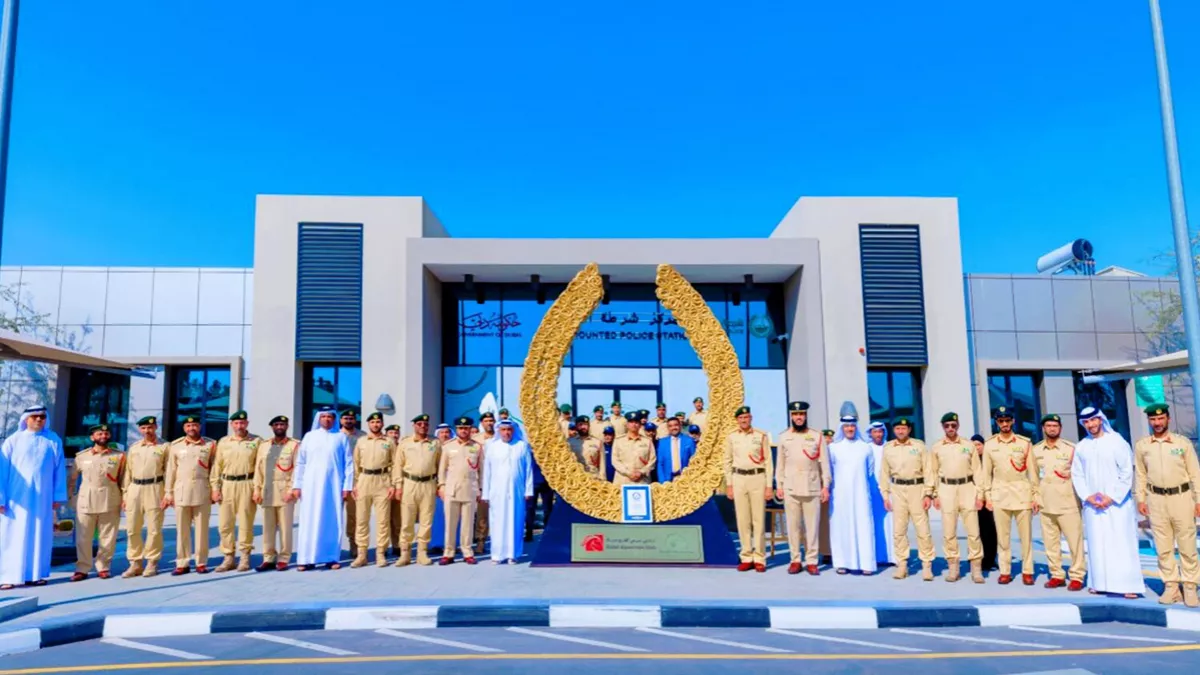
x,y
908,481
749,472
1170,491
375,472
234,479
147,481
958,481
419,479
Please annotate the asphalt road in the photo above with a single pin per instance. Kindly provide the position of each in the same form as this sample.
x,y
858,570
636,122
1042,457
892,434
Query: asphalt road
x,y
1072,650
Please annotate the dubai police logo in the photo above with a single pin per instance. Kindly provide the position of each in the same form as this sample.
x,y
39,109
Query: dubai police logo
x,y
760,325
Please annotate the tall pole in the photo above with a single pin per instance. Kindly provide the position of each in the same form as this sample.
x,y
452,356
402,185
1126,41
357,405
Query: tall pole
x,y
8,62
1183,240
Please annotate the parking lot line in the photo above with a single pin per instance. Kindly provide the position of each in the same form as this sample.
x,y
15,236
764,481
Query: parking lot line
x,y
278,639
713,641
437,641
577,640
846,641
155,649
964,638
1109,636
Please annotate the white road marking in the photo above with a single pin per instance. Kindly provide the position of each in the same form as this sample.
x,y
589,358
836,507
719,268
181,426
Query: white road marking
x,y
964,638
1108,636
436,641
713,641
165,651
266,637
578,640
847,641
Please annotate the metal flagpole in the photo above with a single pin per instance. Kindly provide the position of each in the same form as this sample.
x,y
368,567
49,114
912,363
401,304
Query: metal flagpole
x,y
1183,240
8,60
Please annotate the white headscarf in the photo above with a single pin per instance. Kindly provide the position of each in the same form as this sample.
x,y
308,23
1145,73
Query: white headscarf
x,y
23,425
317,418
840,434
1090,412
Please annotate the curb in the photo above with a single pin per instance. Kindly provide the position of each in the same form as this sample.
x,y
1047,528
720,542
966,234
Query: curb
x,y
11,608
408,617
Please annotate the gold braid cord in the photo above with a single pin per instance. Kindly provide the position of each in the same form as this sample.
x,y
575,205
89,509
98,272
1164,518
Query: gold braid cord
x,y
539,386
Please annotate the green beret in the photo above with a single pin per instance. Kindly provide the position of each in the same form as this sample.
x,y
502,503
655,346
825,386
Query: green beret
x,y
744,410
239,415
486,416
798,406
1156,409
349,413
902,422
278,419
827,432
375,416
949,417
681,415
698,399
189,419
661,405
1002,412
615,404
565,408
502,411
148,419
583,419
392,427
97,427
464,422
420,418
598,408
1051,418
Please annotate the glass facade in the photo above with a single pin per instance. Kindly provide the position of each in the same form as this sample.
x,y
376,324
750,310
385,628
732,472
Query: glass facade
x,y
895,392
1109,397
330,384
95,398
1018,391
200,392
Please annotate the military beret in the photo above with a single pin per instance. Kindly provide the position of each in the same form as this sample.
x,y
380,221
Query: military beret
x,y
694,429
1051,418
566,408
744,410
610,431
949,417
392,427
1002,412
502,411
349,413
827,432
464,422
661,405
798,406
190,419
631,417
375,416
651,426
698,399
97,427
902,422
681,415
1156,409
582,419
239,415
644,413
598,408
486,416
420,418
148,419
279,419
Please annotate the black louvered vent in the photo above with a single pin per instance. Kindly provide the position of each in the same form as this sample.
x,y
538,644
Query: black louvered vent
x,y
329,292
893,295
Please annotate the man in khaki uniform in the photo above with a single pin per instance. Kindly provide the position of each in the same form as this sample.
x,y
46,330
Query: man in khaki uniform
x,y
588,450
597,423
392,431
414,475
98,504
273,491
954,468
459,489
566,420
802,482
190,468
749,475
373,490
633,455
1167,489
145,466
233,489
660,420
1010,488
617,420
907,486
487,431
700,416
1060,514
349,426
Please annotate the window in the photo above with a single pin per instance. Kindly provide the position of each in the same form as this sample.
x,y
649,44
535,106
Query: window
x,y
895,393
201,392
95,398
329,384
1018,391
1109,397
621,333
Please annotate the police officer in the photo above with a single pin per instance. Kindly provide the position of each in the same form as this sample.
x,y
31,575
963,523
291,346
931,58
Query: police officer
x,y
749,475
98,504
1060,514
273,492
1168,491
373,490
349,426
633,456
617,420
414,476
699,417
1010,489
145,466
392,431
487,431
233,489
597,423
660,419
459,489
587,448
954,469
190,467
565,420
907,486
802,482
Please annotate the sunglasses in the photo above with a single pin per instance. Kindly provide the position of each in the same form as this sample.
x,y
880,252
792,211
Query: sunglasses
x,y
37,417
950,425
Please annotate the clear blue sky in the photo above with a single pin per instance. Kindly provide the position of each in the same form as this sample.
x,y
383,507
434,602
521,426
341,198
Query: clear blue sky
x,y
144,128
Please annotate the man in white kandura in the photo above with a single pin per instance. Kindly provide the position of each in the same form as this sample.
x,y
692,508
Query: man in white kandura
x,y
1102,473
507,485
324,478
881,517
33,483
851,529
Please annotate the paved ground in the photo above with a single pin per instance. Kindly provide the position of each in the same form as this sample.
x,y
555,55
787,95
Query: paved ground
x,y
1096,648
484,582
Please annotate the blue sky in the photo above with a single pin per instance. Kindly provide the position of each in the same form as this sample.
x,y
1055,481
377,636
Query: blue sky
x,y
143,129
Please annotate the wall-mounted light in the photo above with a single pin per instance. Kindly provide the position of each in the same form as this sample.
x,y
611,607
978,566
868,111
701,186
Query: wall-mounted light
x,y
385,405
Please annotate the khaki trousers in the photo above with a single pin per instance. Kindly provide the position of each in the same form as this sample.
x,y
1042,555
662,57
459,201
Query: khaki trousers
x,y
237,508
418,501
908,504
372,496
958,502
278,519
1054,526
143,507
751,509
803,514
1004,518
481,524
456,512
351,523
107,525
187,518
395,522
1173,521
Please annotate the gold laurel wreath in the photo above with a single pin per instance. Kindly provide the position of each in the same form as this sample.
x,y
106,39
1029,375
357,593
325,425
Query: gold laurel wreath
x,y
539,386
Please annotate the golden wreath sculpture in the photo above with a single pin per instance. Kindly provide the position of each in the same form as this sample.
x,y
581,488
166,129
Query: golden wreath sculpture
x,y
539,386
